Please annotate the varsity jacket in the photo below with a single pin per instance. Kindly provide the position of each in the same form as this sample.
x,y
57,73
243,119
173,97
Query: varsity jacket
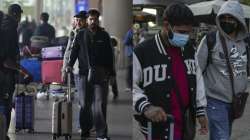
x,y
152,77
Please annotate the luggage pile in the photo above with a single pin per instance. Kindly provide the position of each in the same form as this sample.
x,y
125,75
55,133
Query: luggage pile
x,y
43,62
52,62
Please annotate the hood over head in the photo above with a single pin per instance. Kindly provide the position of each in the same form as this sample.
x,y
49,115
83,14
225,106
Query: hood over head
x,y
234,9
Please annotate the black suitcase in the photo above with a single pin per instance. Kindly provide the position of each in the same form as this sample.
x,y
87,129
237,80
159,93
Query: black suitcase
x,y
167,134
166,131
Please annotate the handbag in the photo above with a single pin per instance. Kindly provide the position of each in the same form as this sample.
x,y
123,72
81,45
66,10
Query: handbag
x,y
238,104
239,100
189,118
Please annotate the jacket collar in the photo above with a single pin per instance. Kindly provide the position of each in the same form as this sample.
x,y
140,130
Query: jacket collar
x,y
159,44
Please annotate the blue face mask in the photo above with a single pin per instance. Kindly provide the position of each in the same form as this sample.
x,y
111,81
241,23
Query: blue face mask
x,y
179,40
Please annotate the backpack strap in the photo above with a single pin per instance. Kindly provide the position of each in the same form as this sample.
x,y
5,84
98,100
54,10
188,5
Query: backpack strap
x,y
247,41
211,40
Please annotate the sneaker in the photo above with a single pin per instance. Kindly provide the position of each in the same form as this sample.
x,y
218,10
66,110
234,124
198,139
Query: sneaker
x,y
128,90
79,130
85,136
115,97
92,130
102,138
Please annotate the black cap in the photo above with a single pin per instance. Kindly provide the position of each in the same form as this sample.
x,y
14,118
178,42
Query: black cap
x,y
15,8
82,14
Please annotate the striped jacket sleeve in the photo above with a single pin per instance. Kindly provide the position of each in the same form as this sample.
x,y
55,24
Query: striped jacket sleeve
x,y
140,100
201,100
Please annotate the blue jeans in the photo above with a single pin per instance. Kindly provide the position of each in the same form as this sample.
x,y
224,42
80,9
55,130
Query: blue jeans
x,y
77,80
220,124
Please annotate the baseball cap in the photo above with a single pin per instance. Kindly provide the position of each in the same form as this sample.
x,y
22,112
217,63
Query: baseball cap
x,y
15,8
82,14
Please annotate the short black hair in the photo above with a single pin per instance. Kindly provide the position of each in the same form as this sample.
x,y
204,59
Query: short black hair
x,y
93,12
15,9
177,13
44,17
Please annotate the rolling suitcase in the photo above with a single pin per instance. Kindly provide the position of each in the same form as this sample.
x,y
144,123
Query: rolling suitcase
x,y
51,71
2,125
24,106
55,52
165,134
62,116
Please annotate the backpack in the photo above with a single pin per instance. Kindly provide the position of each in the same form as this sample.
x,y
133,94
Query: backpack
x,y
211,40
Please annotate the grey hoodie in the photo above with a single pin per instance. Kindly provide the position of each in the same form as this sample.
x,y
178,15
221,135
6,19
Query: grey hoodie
x,y
216,75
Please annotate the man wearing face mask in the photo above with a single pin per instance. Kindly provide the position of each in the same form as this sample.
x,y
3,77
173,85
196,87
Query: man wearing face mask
x,y
164,76
218,87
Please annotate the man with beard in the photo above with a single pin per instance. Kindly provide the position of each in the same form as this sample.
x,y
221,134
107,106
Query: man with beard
x,y
97,64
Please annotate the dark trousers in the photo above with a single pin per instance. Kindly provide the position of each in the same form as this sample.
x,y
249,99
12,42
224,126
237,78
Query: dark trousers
x,y
129,76
5,109
94,105
114,87
85,100
100,108
100,83
7,87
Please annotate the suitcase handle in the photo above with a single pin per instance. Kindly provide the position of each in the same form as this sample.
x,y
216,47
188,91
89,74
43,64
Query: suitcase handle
x,y
69,86
170,119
